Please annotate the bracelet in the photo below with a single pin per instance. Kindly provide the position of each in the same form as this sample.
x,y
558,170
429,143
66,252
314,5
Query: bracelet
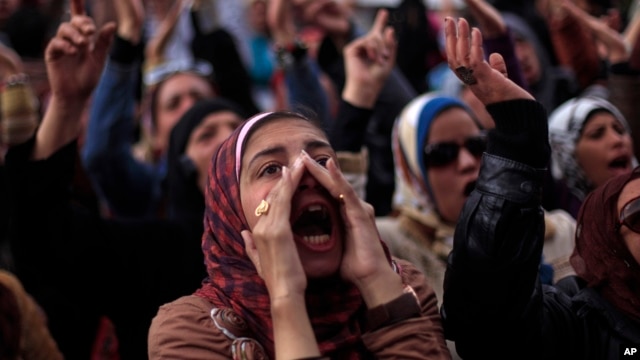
x,y
287,55
16,79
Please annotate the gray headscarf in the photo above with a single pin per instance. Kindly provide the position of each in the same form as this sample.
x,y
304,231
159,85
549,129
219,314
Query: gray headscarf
x,y
565,126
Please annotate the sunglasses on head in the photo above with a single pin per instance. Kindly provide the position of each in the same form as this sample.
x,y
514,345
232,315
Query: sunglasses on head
x,y
630,215
444,153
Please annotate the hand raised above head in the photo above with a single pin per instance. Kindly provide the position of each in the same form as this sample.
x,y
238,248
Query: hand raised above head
x,y
465,56
76,55
281,22
488,17
329,15
369,60
130,15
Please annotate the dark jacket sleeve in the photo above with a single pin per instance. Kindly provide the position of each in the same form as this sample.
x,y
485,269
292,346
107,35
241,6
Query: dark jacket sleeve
x,y
51,262
491,291
81,267
348,131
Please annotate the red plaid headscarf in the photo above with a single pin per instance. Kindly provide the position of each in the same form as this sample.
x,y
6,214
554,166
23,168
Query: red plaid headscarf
x,y
334,306
601,257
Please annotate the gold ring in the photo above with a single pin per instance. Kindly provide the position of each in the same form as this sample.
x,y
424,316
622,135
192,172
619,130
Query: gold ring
x,y
466,75
263,208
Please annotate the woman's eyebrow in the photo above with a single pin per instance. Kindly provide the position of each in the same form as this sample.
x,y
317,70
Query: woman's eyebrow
x,y
317,144
267,152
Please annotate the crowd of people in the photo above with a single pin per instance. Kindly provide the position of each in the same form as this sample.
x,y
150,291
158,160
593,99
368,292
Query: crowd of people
x,y
296,179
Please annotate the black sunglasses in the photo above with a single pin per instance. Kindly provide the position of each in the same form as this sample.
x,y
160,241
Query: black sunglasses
x,y
444,153
630,215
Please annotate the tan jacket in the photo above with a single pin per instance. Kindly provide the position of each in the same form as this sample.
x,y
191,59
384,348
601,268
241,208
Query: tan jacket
x,y
36,342
186,329
424,240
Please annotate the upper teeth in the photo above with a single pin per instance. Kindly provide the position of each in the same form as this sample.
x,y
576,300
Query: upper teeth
x,y
318,208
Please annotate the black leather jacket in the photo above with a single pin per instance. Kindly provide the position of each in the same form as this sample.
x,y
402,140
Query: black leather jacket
x,y
494,306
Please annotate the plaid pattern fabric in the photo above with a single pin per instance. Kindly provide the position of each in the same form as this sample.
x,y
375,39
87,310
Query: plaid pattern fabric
x,y
334,306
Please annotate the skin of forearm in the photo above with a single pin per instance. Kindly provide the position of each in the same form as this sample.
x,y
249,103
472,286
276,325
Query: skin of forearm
x,y
359,95
293,334
380,288
60,125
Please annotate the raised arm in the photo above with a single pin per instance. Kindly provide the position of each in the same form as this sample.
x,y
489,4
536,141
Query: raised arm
x,y
124,183
74,58
573,46
614,44
368,62
301,73
492,271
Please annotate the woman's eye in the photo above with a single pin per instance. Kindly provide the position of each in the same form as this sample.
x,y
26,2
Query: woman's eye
x,y
322,161
597,134
270,169
620,129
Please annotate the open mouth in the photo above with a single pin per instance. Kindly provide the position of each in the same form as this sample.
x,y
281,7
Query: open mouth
x,y
621,162
469,188
314,226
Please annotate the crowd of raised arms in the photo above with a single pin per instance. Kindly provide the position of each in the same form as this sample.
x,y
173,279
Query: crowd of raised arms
x,y
319,179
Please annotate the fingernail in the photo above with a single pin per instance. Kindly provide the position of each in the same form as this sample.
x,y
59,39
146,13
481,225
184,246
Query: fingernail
x,y
304,153
298,162
285,171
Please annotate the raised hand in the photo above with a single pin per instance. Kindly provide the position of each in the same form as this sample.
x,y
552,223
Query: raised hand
x,y
154,51
489,19
369,60
130,14
612,40
331,16
75,57
465,56
281,22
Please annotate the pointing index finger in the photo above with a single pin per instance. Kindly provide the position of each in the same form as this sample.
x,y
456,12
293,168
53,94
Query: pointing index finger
x,y
77,7
380,22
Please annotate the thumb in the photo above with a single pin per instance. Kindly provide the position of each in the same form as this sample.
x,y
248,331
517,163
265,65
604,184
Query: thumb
x,y
497,62
252,251
104,40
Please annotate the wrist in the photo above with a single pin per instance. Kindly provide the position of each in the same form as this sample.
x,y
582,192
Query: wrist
x,y
381,287
67,105
360,95
282,303
289,53
129,32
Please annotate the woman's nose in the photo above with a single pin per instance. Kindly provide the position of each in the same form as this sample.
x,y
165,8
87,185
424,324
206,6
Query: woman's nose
x,y
307,181
466,159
